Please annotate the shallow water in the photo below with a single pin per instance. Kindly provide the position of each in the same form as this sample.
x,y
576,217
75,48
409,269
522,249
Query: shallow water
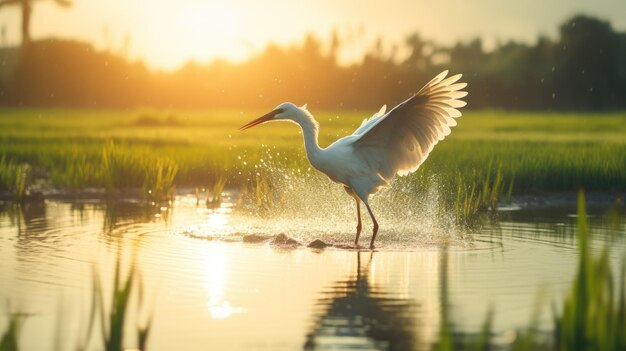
x,y
208,289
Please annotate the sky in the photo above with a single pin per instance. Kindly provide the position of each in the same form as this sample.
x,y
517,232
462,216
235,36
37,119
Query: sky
x,y
167,34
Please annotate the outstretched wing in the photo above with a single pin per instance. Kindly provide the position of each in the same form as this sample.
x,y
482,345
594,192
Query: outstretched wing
x,y
400,141
368,122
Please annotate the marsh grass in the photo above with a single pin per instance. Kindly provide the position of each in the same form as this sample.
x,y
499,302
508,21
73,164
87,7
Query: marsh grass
x,y
541,151
263,193
211,195
113,321
592,317
114,166
121,167
74,170
125,167
217,188
594,312
127,292
14,177
159,178
10,337
478,190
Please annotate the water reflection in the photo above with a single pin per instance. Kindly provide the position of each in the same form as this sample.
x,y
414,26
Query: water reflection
x,y
215,267
226,295
117,213
356,314
31,219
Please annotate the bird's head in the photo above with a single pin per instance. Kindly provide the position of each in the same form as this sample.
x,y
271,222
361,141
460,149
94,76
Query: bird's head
x,y
285,111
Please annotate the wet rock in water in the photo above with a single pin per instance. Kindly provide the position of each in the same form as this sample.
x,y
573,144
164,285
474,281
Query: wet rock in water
x,y
254,238
318,244
199,236
283,241
350,247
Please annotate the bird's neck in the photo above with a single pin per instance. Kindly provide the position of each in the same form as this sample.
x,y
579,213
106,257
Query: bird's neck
x,y
310,132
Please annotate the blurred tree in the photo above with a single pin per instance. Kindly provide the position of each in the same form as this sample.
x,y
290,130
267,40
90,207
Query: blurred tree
x,y
421,52
335,44
583,69
587,64
472,52
27,10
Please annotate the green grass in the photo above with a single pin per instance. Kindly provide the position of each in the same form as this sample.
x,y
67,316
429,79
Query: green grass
x,y
10,337
594,312
14,177
528,151
127,292
592,317
114,321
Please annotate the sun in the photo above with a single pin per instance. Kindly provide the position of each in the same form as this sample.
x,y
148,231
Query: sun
x,y
207,30
211,22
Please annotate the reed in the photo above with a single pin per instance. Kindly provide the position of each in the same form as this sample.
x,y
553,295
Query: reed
x,y
477,191
217,188
120,167
114,320
592,317
159,178
14,177
541,151
10,337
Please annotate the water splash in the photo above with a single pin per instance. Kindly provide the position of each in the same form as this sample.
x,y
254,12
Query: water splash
x,y
304,204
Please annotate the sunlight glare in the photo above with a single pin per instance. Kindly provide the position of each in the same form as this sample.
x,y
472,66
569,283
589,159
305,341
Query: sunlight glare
x,y
218,220
208,29
210,21
215,273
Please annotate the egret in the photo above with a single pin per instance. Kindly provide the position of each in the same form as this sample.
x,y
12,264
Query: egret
x,y
386,144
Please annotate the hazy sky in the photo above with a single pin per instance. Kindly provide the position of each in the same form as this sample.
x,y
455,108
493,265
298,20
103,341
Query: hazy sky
x,y
168,33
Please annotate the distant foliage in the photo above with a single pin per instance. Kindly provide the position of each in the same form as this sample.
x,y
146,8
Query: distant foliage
x,y
583,69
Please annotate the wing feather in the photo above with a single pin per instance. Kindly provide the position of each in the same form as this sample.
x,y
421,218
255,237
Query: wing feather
x,y
368,121
399,141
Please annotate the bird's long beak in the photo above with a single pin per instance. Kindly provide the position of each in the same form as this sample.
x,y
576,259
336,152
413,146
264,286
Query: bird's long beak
x,y
264,118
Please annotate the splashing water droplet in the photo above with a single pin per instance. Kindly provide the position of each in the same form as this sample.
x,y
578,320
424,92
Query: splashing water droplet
x,y
306,205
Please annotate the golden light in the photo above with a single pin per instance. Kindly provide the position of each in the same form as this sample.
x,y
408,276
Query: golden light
x,y
209,21
218,221
215,264
207,29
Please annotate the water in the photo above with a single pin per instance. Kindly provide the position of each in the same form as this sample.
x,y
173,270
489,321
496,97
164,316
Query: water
x,y
207,289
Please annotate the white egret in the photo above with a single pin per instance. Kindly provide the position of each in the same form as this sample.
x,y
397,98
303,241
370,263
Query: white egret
x,y
388,143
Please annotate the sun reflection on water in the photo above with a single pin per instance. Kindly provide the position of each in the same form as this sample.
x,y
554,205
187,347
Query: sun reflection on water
x,y
206,221
215,268
218,220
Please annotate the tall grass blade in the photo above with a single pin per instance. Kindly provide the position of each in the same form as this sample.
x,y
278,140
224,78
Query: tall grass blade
x,y
10,337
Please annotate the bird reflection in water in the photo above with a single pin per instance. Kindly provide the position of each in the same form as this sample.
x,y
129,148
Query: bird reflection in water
x,y
356,314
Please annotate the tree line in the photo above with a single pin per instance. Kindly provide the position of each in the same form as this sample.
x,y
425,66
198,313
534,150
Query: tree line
x,y
584,68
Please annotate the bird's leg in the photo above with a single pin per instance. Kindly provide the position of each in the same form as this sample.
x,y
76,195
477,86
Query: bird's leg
x,y
375,231
358,226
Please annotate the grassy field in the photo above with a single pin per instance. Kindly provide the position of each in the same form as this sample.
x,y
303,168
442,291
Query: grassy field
x,y
511,151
